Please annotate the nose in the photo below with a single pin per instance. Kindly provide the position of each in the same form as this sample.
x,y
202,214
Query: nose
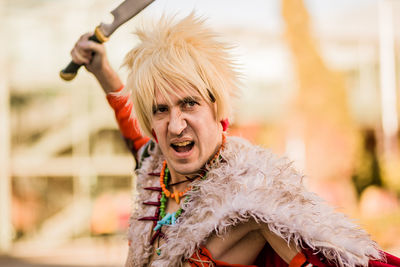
x,y
177,122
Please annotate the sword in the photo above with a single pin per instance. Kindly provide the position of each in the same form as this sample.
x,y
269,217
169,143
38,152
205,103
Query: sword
x,y
124,12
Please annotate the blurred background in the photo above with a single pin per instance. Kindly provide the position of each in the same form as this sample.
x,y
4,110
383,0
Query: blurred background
x,y
320,85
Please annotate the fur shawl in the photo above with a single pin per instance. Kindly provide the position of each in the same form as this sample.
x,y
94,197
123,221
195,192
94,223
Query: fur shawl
x,y
250,183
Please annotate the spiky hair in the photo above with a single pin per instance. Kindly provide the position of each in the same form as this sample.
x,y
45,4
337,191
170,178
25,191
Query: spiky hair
x,y
182,55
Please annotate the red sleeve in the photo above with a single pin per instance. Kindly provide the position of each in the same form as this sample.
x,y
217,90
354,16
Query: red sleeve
x,y
313,259
389,261
307,258
128,125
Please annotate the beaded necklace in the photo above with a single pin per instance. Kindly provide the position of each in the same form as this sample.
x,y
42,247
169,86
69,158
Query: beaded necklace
x,y
170,218
164,181
167,218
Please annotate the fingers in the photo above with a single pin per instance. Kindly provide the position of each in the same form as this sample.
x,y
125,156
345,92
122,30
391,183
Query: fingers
x,y
85,36
84,49
80,57
93,47
79,54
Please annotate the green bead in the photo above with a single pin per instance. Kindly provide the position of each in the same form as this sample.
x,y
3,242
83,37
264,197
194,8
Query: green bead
x,y
178,213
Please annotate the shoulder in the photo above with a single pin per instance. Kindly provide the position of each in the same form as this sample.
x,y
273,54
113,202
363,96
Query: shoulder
x,y
150,159
248,161
145,152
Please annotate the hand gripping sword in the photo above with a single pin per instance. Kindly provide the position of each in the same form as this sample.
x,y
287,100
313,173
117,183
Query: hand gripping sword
x,y
124,12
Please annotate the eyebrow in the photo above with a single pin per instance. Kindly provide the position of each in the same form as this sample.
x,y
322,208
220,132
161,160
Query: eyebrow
x,y
188,99
180,102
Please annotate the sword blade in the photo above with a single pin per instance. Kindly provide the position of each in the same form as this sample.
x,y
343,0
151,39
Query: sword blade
x,y
124,12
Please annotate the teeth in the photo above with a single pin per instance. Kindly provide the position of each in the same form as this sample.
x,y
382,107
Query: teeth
x,y
182,143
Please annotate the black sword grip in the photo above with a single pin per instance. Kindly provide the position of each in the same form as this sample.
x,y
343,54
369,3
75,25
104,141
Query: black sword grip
x,y
71,70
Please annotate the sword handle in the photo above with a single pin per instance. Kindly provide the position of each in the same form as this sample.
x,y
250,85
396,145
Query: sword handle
x,y
69,72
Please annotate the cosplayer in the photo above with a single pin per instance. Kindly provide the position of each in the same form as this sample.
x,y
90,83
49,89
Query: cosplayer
x,y
205,199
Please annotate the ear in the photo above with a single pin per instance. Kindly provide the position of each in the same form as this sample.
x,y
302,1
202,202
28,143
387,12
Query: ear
x,y
154,135
225,124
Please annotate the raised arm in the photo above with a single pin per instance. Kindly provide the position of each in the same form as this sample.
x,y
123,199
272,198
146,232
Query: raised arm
x,y
93,56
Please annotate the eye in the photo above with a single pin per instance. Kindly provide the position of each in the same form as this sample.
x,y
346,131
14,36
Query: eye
x,y
189,103
160,109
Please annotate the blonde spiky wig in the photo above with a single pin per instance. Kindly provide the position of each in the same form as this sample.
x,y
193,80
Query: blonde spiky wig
x,y
182,55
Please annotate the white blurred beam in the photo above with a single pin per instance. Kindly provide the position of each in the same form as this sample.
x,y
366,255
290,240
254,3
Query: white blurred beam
x,y
68,166
388,76
5,179
57,139
85,177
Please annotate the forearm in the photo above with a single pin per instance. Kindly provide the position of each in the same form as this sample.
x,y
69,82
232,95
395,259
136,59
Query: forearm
x,y
108,79
94,57
290,253
286,251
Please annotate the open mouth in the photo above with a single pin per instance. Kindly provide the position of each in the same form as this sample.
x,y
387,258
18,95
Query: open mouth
x,y
183,146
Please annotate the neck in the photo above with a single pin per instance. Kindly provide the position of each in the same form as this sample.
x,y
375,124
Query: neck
x,y
176,177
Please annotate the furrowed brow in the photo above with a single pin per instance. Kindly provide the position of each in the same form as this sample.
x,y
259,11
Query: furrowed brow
x,y
189,99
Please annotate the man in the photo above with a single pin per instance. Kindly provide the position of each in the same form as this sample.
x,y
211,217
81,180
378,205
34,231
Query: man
x,y
204,199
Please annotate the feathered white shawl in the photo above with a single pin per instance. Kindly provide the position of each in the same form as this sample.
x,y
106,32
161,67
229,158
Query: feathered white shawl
x,y
250,183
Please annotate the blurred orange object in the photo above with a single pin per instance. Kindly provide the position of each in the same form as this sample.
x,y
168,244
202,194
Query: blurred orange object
x,y
110,213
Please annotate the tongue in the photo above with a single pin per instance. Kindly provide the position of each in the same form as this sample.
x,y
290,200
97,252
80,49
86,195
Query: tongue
x,y
183,148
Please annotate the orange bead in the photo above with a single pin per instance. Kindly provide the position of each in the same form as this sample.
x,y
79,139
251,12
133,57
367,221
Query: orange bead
x,y
176,196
